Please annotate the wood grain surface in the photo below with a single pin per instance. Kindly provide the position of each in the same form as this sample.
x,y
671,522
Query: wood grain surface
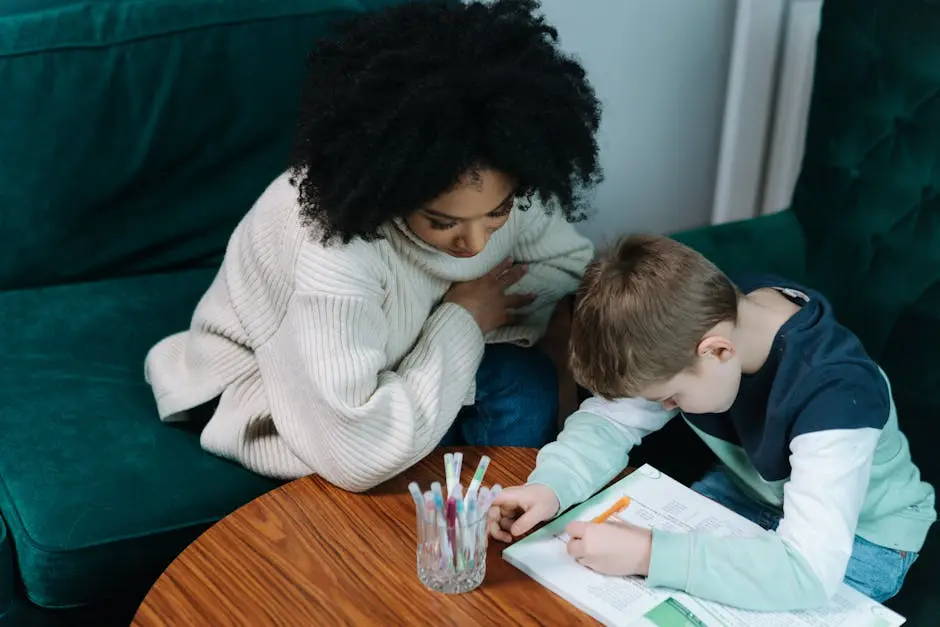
x,y
309,554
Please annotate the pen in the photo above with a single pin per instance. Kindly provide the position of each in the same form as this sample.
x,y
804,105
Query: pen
x,y
472,520
438,497
486,499
461,509
428,507
458,463
418,498
437,522
449,478
477,478
451,517
621,504
427,522
465,556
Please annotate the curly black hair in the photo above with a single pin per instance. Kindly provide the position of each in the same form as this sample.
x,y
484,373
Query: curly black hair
x,y
399,104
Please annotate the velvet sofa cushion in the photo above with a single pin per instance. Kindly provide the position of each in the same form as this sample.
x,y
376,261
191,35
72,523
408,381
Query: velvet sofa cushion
x,y
772,243
134,134
99,495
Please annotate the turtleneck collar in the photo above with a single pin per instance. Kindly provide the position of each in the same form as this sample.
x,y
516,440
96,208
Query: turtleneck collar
x,y
441,264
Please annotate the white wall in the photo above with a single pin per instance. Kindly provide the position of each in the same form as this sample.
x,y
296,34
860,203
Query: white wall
x,y
660,69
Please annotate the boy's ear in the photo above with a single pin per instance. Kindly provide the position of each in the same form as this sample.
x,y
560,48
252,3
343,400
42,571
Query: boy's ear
x,y
716,346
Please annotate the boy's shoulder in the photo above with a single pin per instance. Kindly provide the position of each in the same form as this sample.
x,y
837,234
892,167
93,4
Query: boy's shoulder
x,y
813,339
824,375
837,396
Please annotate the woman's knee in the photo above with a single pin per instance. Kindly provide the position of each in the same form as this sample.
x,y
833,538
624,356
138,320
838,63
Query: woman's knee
x,y
524,374
517,395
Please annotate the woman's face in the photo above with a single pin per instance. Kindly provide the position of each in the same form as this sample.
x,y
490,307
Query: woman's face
x,y
461,221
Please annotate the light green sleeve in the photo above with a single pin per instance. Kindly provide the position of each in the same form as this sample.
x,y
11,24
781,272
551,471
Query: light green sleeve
x,y
760,573
594,446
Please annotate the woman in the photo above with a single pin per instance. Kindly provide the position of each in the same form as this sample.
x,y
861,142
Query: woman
x,y
385,294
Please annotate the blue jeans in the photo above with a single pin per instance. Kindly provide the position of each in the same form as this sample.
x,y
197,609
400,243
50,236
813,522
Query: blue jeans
x,y
875,571
516,401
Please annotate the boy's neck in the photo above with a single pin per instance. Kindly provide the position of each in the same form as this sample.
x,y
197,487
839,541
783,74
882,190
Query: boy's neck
x,y
760,316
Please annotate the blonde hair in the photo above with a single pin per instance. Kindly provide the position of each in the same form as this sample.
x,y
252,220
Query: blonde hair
x,y
641,313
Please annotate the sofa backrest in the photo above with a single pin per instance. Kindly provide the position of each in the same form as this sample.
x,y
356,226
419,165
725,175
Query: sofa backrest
x,y
134,135
868,196
868,199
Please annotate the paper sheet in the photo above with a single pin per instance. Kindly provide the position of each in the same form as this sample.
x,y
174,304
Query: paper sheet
x,y
661,502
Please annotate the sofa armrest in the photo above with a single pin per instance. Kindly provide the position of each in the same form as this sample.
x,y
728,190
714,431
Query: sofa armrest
x,y
772,243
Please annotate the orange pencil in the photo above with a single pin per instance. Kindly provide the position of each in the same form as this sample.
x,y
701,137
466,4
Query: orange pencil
x,y
616,508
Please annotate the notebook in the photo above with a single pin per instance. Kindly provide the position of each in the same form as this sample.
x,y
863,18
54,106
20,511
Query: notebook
x,y
658,501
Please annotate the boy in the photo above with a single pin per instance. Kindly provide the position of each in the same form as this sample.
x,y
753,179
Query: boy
x,y
799,416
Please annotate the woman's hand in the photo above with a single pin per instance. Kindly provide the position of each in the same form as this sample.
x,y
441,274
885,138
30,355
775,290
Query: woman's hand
x,y
486,299
611,548
516,510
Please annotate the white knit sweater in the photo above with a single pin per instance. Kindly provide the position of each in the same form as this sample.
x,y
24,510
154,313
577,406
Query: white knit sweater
x,y
341,360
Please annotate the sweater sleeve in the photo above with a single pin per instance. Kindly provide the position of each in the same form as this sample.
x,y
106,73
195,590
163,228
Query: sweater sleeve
x,y
557,256
802,564
346,414
594,446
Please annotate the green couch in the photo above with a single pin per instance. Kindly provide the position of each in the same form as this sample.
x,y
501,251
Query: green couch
x,y
135,133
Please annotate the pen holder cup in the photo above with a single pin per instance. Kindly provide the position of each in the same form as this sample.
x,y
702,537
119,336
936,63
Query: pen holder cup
x,y
452,559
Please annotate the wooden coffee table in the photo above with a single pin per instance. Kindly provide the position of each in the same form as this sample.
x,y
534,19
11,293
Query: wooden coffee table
x,y
309,553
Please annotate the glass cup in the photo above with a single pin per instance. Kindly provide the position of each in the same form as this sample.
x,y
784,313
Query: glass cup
x,y
452,559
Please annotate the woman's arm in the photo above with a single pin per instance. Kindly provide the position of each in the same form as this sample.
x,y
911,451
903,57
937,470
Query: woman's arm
x,y
341,410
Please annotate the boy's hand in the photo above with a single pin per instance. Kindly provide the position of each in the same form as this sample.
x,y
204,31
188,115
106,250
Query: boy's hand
x,y
611,548
516,510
